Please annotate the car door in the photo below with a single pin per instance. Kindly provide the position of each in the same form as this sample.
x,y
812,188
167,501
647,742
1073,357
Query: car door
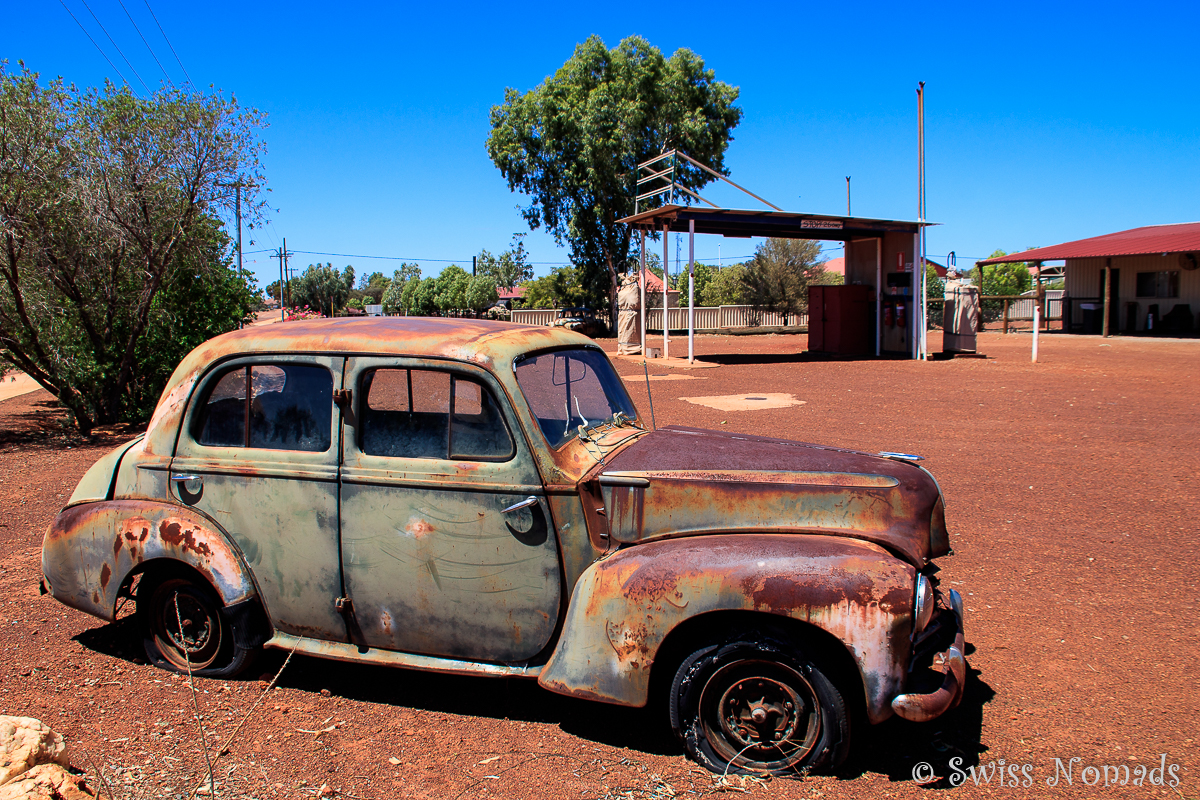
x,y
448,547
258,453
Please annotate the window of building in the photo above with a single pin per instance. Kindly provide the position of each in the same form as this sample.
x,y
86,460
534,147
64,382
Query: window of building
x,y
1158,284
288,407
417,413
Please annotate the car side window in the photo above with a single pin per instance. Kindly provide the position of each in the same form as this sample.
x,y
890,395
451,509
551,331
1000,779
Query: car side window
x,y
418,413
287,407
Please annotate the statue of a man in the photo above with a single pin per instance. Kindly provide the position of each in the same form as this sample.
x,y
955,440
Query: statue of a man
x,y
629,321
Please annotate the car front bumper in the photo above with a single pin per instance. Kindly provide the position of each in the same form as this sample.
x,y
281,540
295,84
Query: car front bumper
x,y
921,707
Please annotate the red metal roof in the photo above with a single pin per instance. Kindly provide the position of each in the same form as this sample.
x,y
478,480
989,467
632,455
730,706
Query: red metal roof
x,y
1182,237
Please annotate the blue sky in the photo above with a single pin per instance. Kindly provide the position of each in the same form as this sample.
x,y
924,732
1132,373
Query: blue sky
x,y
1045,122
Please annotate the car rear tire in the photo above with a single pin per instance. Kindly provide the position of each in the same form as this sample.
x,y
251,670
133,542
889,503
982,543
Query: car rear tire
x,y
756,705
183,626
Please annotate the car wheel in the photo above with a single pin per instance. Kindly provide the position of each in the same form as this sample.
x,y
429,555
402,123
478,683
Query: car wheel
x,y
184,628
755,705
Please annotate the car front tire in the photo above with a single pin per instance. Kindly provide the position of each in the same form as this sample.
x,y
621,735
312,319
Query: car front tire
x,y
755,705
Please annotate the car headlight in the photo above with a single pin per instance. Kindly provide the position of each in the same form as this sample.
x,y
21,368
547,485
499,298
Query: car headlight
x,y
923,604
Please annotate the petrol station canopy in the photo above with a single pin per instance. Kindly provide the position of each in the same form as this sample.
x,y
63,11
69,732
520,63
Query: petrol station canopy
x,y
740,223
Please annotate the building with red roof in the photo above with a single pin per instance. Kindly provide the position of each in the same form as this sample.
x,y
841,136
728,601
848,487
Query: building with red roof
x,y
1153,272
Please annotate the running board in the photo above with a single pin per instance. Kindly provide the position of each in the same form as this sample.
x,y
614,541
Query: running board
x,y
341,651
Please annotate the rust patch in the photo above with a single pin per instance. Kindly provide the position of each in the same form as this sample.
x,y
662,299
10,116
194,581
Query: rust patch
x,y
418,528
466,466
105,576
174,534
385,621
628,641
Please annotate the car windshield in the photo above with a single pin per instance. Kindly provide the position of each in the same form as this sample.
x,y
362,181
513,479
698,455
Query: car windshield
x,y
569,388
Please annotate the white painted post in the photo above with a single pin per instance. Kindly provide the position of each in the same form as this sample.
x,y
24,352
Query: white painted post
x,y
691,291
642,291
666,272
1037,323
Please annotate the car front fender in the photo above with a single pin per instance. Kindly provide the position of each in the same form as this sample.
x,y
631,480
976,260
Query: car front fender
x,y
624,607
90,549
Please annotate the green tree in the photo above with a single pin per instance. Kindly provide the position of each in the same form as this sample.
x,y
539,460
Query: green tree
x,y
562,288
509,268
1002,279
572,145
202,299
392,297
450,291
480,293
322,288
106,201
419,296
726,288
778,277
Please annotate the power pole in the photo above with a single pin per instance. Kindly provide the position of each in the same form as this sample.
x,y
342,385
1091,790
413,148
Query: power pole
x,y
282,309
287,274
238,213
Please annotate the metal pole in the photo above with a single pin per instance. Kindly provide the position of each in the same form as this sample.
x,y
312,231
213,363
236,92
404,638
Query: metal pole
x,y
847,195
691,291
642,289
919,261
238,213
287,275
666,257
282,307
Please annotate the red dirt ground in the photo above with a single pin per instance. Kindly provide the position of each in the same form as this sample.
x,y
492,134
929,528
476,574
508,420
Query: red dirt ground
x,y
1072,502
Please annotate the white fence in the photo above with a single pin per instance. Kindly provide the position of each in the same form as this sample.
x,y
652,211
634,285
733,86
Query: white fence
x,y
707,318
1023,309
535,316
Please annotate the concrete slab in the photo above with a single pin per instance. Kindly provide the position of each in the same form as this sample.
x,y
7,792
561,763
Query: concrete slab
x,y
672,362
749,401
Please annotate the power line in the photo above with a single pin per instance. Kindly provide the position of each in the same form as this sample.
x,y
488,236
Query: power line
x,y
93,41
114,44
164,35
148,47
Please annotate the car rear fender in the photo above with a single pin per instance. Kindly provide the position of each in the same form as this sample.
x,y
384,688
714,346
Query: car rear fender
x,y
624,607
91,549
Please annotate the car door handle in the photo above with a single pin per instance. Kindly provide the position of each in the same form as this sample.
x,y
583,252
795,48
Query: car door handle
x,y
184,478
526,503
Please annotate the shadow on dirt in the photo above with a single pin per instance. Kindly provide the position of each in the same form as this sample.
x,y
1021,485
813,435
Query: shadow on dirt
x,y
893,748
767,359
896,747
31,425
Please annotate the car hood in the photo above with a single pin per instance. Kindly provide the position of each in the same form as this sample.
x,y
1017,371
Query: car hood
x,y
680,481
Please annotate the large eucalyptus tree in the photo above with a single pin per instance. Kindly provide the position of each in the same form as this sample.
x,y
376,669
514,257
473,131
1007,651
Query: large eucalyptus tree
x,y
572,145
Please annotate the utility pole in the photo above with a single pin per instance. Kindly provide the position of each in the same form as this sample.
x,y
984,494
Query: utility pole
x,y
847,195
238,213
287,274
282,309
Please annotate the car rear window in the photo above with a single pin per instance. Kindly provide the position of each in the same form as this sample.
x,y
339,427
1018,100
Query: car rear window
x,y
288,407
419,413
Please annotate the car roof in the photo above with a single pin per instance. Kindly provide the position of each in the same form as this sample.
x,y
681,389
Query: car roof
x,y
479,341
466,339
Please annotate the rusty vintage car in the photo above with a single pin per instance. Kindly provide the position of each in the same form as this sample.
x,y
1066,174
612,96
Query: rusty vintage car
x,y
483,498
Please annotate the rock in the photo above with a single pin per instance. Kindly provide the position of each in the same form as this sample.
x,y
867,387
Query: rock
x,y
24,743
46,782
